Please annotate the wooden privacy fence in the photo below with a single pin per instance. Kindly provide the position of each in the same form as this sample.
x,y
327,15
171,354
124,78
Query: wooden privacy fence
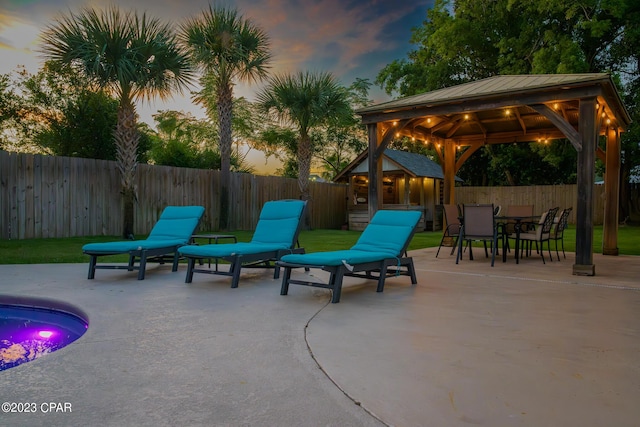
x,y
48,196
542,197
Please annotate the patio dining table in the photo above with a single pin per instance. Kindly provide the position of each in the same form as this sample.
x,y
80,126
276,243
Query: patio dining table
x,y
518,222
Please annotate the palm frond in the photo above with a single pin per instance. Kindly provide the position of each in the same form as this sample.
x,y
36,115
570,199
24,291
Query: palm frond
x,y
225,44
132,55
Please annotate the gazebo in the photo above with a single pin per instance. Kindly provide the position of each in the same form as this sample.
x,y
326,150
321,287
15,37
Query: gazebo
x,y
514,109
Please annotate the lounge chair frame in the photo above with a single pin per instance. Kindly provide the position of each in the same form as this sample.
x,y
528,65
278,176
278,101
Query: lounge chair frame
x,y
402,265
263,259
373,271
160,255
143,256
240,261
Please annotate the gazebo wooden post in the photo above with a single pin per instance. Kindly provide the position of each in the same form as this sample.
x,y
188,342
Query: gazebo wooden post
x,y
612,192
375,169
588,131
449,171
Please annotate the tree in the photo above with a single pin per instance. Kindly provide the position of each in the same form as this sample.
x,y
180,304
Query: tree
x,y
333,144
73,118
183,141
58,112
228,48
132,56
9,111
281,143
84,130
305,101
343,139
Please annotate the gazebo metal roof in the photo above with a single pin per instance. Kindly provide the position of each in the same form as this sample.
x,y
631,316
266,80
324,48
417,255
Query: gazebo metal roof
x,y
500,109
493,86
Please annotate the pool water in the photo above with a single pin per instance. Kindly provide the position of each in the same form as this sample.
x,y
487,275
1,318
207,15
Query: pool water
x,y
28,332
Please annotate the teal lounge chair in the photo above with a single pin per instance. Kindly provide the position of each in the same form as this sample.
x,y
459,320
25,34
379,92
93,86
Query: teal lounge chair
x,y
276,235
173,229
379,250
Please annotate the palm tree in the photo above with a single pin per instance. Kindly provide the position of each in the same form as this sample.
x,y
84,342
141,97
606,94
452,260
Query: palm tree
x,y
305,101
134,57
228,48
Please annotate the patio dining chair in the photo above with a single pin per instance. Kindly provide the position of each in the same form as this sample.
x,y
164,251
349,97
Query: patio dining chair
x,y
452,231
558,231
172,231
479,225
507,230
541,234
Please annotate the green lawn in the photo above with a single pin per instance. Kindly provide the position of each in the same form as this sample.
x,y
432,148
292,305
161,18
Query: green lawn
x,y
69,250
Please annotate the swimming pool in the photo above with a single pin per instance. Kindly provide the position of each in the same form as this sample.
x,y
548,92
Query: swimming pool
x,y
33,327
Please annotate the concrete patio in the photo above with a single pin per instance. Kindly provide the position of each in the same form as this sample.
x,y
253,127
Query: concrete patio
x,y
521,345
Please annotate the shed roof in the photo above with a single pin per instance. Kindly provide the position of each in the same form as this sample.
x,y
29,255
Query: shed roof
x,y
415,165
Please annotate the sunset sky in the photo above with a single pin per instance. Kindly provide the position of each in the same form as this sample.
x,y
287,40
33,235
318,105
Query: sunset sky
x,y
349,38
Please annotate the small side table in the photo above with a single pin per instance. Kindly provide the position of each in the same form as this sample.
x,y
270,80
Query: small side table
x,y
213,238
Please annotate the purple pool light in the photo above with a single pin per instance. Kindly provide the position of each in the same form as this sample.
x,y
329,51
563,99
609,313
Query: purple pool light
x,y
33,327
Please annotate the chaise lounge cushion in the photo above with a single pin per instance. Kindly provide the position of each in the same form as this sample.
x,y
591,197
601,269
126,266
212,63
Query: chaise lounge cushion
x,y
383,238
231,249
129,245
279,222
335,258
174,228
276,230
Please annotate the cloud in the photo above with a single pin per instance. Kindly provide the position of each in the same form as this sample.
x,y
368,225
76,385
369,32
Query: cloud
x,y
18,41
333,35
